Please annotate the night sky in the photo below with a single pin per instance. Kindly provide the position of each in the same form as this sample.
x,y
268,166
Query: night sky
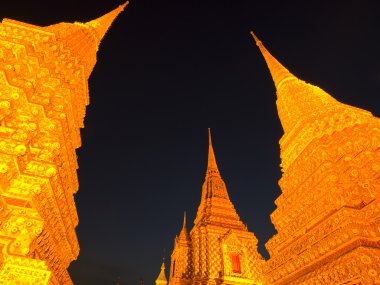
x,y
168,70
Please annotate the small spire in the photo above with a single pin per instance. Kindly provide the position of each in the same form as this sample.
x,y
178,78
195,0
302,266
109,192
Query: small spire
x,y
184,220
212,167
278,71
161,279
101,25
184,235
216,207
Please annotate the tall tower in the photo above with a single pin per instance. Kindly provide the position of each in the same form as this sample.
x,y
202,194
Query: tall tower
x,y
43,98
328,214
223,250
181,263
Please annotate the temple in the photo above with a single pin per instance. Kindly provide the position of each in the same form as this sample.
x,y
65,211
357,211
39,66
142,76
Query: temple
x,y
328,215
44,75
219,248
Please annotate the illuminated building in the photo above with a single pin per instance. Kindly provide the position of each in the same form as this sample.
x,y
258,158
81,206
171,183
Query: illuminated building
x,y
219,248
161,279
43,98
328,215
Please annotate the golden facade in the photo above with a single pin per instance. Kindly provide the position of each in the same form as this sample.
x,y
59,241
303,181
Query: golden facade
x,y
43,98
219,248
328,215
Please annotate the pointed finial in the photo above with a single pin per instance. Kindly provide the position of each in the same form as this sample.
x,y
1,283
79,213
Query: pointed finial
x,y
122,6
212,167
184,235
161,279
258,42
279,73
101,25
184,220
297,102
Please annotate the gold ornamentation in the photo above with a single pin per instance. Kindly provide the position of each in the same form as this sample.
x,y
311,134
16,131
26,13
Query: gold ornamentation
x,y
327,216
21,270
204,256
43,98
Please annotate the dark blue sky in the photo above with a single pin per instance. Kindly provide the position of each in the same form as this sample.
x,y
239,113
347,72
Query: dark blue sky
x,y
168,70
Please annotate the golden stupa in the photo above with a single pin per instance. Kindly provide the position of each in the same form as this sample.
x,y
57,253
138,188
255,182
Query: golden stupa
x,y
161,279
328,215
219,248
43,98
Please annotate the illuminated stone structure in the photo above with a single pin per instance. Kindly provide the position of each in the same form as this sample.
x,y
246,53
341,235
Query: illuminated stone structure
x,y
161,279
43,98
328,215
181,262
219,248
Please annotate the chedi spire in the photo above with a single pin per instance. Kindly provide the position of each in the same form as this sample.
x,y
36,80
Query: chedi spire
x,y
212,167
296,99
83,39
43,79
279,73
101,25
329,187
215,197
184,234
161,279
305,109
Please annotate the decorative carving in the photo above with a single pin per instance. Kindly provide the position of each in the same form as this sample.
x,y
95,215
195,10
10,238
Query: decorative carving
x,y
21,270
327,216
205,255
43,96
